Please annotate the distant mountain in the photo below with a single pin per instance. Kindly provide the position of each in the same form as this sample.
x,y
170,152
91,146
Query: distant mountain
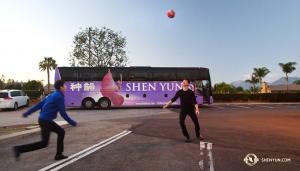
x,y
282,81
277,82
241,83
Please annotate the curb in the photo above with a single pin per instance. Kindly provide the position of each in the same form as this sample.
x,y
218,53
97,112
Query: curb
x,y
28,133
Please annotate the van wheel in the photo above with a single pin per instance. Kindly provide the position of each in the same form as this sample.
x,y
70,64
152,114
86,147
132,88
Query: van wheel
x,y
16,106
27,103
88,103
104,103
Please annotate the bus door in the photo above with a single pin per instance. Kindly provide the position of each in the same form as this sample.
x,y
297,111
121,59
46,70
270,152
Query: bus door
x,y
202,89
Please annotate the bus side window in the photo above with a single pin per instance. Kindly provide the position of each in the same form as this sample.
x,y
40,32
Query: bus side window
x,y
140,74
68,73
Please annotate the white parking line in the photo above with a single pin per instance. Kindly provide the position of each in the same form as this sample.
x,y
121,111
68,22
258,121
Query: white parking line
x,y
290,106
209,156
218,107
85,152
267,106
242,106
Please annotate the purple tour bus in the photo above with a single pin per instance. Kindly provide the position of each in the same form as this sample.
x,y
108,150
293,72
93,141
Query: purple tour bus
x,y
138,86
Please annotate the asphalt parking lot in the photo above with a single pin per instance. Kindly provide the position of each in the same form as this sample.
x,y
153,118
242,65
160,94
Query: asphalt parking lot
x,y
235,137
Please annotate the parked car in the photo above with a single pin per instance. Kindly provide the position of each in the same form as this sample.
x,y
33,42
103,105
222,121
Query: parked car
x,y
13,99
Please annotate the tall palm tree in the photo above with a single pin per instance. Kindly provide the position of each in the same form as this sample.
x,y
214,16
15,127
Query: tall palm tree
x,y
297,81
261,73
47,65
254,80
287,68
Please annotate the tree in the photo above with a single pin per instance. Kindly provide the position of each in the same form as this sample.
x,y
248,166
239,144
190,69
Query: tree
x,y
98,48
33,85
47,65
10,84
224,88
239,89
287,68
297,81
2,81
254,80
261,73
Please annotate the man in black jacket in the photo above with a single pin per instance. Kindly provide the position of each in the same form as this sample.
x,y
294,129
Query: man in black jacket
x,y
188,104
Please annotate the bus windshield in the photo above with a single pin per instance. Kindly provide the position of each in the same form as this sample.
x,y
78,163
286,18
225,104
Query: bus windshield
x,y
104,87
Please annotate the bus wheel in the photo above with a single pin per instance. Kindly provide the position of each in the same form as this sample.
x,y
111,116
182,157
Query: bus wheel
x,y
88,103
104,103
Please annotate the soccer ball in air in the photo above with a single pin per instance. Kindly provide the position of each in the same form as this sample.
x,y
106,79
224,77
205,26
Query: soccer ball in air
x,y
171,14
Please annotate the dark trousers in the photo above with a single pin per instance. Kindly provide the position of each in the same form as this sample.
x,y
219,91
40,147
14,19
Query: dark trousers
x,y
46,128
194,118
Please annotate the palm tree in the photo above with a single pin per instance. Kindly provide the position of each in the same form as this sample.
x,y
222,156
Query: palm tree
x,y
47,65
261,73
254,80
297,81
287,68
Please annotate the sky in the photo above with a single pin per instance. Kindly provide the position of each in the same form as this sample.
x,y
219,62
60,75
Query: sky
x,y
230,37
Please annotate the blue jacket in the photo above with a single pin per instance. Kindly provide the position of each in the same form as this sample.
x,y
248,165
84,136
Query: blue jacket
x,y
50,106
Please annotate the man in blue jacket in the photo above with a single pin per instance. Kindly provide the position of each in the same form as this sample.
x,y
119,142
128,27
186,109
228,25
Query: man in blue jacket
x,y
49,108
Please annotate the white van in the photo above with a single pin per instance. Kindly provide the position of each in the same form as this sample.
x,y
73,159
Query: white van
x,y
13,99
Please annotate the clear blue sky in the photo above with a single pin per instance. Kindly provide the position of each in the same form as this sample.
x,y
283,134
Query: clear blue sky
x,y
230,37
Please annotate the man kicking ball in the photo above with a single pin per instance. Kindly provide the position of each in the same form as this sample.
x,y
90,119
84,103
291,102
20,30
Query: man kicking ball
x,y
49,108
188,104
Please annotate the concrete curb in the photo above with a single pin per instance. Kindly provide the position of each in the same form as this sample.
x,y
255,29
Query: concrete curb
x,y
28,133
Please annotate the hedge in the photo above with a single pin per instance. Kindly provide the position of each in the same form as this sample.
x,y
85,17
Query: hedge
x,y
264,97
35,94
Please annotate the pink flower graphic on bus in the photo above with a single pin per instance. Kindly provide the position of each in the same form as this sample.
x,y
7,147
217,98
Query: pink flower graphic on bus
x,y
110,89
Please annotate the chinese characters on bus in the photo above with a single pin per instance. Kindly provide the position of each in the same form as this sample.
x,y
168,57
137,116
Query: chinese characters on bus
x,y
86,86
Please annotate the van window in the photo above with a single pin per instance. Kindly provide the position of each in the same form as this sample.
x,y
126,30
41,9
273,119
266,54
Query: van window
x,y
15,93
3,95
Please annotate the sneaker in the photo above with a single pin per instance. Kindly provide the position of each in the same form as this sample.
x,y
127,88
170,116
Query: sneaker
x,y
16,152
200,137
187,139
60,157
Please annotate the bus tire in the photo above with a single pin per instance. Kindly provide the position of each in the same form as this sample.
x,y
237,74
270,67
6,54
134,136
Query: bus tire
x,y
104,103
88,103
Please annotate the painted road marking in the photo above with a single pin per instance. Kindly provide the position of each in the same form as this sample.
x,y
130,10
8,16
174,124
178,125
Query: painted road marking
x,y
208,151
218,107
84,152
290,106
267,106
242,106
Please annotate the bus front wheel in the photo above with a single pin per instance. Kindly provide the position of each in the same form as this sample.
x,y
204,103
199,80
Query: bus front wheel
x,y
104,103
88,103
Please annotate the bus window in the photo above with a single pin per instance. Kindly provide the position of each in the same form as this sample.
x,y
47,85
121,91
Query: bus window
x,y
91,74
164,74
140,74
198,88
182,74
194,74
68,73
116,71
205,89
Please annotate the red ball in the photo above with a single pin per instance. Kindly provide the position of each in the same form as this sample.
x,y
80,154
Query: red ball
x,y
171,14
